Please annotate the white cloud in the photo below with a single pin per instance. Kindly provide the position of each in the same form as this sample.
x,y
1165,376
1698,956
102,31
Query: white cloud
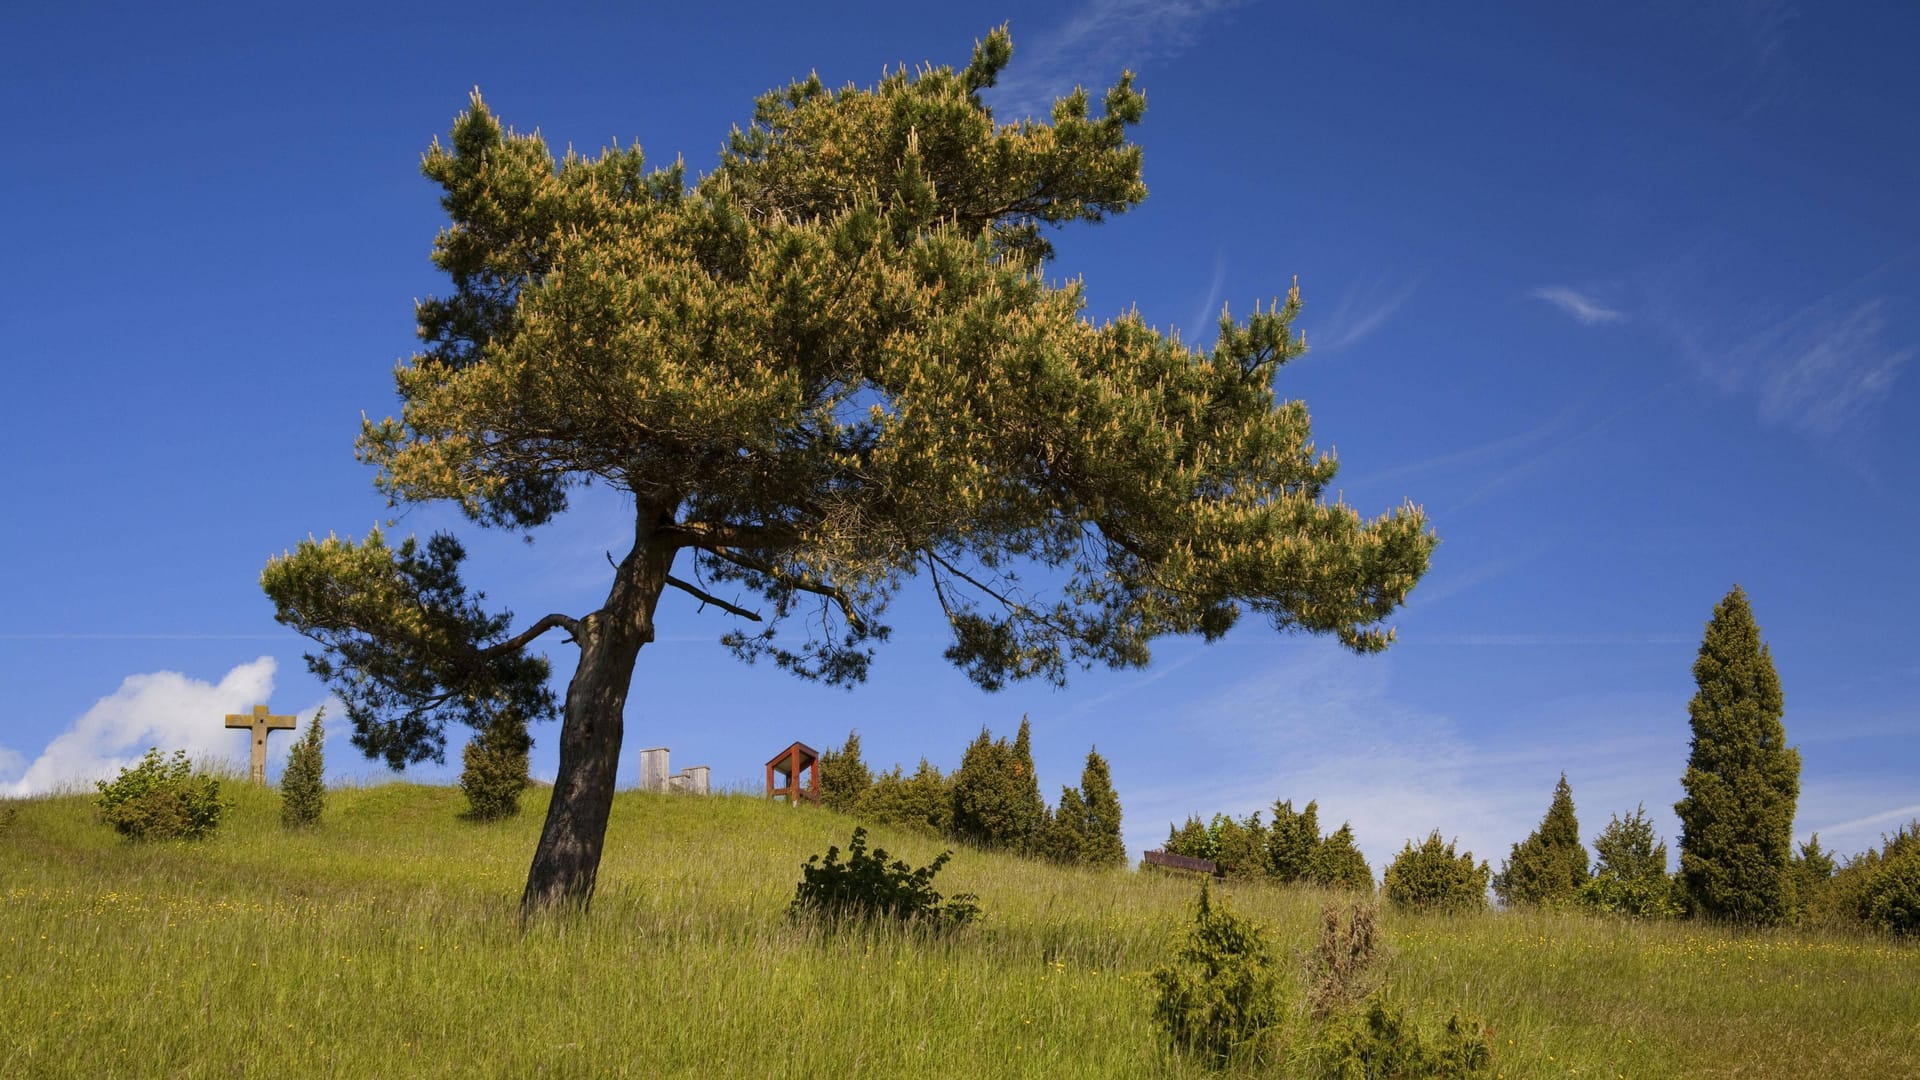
x,y
1363,308
1092,46
1830,371
1582,307
164,709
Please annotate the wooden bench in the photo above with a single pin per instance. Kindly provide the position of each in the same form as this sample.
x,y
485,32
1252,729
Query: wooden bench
x,y
1180,862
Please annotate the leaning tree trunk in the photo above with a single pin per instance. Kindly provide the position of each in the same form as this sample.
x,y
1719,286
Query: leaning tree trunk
x,y
567,861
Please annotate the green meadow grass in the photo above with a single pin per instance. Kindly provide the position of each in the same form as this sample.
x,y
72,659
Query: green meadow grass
x,y
386,943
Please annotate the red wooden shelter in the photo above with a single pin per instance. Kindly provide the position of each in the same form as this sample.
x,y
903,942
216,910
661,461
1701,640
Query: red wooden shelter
x,y
788,765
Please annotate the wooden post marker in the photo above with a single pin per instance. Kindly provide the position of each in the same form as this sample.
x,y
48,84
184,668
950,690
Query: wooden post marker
x,y
261,723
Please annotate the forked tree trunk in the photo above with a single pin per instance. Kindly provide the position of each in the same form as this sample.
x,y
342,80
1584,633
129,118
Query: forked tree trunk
x,y
567,861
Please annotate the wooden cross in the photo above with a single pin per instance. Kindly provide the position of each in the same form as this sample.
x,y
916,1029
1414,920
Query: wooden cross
x,y
261,723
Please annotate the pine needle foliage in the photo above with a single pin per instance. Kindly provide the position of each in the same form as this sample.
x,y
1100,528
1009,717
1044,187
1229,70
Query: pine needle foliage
x,y
1742,780
829,368
1550,865
303,785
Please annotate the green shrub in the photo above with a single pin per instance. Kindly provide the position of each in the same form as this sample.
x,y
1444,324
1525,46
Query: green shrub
x,y
996,801
1338,863
1192,840
844,777
1550,865
922,801
303,788
494,769
161,799
1220,995
1432,878
1383,1042
1630,872
867,887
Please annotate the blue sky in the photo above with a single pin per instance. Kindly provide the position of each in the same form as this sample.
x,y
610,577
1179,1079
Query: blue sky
x,y
1625,298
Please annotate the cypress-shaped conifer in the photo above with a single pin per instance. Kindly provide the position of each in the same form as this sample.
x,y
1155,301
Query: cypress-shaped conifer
x,y
844,777
1550,865
1742,779
303,789
1293,842
1101,841
1338,863
1032,808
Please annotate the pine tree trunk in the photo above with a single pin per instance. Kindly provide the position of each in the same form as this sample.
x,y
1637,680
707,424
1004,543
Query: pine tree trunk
x,y
567,861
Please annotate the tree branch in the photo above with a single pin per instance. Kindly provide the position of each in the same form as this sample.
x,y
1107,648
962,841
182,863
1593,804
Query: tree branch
x,y
708,598
520,640
767,569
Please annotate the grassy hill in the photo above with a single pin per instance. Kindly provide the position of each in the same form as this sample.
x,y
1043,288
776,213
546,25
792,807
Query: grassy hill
x,y
386,943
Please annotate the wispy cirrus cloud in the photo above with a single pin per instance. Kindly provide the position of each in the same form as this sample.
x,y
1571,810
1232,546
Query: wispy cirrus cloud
x,y
1821,371
1090,48
1582,307
1362,308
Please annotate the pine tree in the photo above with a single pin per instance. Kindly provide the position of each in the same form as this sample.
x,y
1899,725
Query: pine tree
x,y
1742,779
1550,865
844,777
1630,870
694,343
1338,863
1102,844
303,788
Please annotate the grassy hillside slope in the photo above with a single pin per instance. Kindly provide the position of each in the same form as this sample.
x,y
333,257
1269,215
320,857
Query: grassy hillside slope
x,y
385,943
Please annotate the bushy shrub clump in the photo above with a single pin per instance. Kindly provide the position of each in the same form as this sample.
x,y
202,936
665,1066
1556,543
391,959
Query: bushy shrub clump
x,y
1221,993
1383,1042
844,776
1630,874
1290,851
868,887
303,788
1879,890
922,801
494,769
161,799
1432,877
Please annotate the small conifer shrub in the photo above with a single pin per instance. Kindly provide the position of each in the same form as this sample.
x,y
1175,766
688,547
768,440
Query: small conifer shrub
x,y
303,788
1547,868
1384,1042
867,887
494,769
1630,872
161,799
844,776
1432,877
1220,996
